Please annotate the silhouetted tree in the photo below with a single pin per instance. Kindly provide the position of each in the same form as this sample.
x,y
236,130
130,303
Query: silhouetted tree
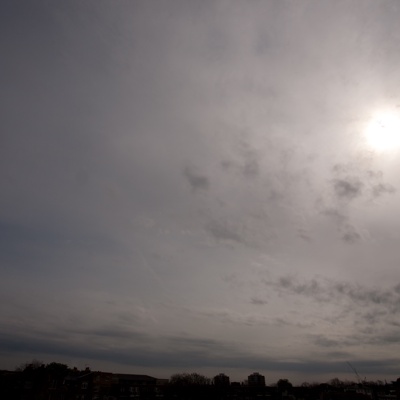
x,y
30,366
284,385
336,382
189,386
57,368
186,379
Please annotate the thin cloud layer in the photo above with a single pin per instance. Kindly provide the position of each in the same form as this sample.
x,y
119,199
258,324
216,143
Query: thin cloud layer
x,y
190,186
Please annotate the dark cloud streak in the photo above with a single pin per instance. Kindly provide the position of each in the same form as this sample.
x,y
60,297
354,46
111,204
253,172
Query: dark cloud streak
x,y
183,357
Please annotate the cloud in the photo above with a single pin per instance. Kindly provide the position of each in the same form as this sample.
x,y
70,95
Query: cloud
x,y
336,215
374,338
349,233
196,180
348,188
356,306
250,166
353,181
245,162
382,188
304,234
311,288
225,231
326,342
257,301
367,296
183,353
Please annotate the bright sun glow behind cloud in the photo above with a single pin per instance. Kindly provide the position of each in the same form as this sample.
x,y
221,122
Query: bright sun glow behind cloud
x,y
383,132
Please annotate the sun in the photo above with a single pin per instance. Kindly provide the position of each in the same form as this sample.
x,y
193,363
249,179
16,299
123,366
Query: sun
x,y
383,132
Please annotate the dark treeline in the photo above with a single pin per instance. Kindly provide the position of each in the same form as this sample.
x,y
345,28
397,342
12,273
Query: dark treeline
x,y
56,381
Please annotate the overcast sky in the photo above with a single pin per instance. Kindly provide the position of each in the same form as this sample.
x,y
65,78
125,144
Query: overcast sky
x,y
188,186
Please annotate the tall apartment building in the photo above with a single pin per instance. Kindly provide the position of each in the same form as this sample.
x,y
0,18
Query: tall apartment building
x,y
221,380
256,379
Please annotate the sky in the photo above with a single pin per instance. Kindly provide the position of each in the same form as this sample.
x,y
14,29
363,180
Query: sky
x,y
207,186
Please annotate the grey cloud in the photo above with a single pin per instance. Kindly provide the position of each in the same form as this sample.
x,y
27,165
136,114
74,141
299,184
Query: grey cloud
x,y
334,355
252,319
351,180
226,164
225,231
303,234
330,291
349,188
336,215
339,342
374,316
251,167
115,345
258,301
110,333
195,179
377,186
374,175
247,164
291,323
386,338
312,288
366,295
349,233
377,337
286,282
382,188
360,337
341,168
326,342
242,159
183,357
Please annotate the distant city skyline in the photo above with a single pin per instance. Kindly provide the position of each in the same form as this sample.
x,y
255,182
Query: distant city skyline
x,y
57,381
192,186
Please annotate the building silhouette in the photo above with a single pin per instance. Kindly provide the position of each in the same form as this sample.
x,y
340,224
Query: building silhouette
x,y
221,380
256,379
